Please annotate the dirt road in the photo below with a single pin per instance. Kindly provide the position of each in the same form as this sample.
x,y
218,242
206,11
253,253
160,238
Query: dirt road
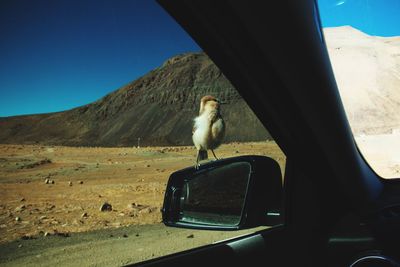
x,y
111,247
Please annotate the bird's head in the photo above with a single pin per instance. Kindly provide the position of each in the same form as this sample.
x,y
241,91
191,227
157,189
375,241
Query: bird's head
x,y
209,102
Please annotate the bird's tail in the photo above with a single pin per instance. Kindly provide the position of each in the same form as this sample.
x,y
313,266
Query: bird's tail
x,y
202,155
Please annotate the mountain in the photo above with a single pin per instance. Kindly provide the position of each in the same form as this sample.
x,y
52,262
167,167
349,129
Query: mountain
x,y
158,108
367,72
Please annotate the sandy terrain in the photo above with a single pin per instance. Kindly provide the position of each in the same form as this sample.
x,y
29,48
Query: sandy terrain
x,y
367,72
80,180
382,152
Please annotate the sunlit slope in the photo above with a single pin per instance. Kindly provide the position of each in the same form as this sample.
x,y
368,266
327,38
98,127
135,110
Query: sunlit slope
x,y
367,71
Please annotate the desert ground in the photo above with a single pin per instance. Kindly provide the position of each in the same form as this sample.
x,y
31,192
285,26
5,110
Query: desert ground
x,y
51,193
382,153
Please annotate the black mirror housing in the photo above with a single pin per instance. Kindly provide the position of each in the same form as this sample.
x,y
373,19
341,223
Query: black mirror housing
x,y
228,194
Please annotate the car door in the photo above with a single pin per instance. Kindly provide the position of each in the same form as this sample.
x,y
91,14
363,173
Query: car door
x,y
337,210
274,54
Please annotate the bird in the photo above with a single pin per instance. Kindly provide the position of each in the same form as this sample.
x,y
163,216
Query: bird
x,y
208,129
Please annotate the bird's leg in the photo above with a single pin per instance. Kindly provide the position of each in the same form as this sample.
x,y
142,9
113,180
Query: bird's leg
x,y
197,165
214,154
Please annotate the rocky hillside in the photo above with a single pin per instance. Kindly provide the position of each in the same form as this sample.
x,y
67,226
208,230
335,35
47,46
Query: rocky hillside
x,y
158,108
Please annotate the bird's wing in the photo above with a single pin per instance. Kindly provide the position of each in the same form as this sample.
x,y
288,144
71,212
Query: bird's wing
x,y
215,117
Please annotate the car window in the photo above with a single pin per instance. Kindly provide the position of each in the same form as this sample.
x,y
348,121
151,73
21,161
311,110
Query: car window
x,y
97,108
363,40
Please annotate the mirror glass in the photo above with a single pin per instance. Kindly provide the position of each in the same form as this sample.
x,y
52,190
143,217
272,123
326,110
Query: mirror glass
x,y
215,196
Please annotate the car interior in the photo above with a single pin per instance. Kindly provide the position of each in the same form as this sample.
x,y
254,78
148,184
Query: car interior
x,y
334,210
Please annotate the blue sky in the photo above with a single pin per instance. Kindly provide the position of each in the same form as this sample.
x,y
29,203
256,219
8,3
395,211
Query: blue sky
x,y
374,17
60,54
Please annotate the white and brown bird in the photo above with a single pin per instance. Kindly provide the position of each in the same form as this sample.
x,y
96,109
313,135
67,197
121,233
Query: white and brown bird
x,y
209,128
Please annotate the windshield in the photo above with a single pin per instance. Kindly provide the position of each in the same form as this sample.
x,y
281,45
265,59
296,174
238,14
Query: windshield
x,y
363,40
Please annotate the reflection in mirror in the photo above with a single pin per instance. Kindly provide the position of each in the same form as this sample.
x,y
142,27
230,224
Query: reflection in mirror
x,y
216,196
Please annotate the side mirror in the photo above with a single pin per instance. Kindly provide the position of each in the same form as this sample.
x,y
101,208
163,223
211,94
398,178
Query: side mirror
x,y
228,194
